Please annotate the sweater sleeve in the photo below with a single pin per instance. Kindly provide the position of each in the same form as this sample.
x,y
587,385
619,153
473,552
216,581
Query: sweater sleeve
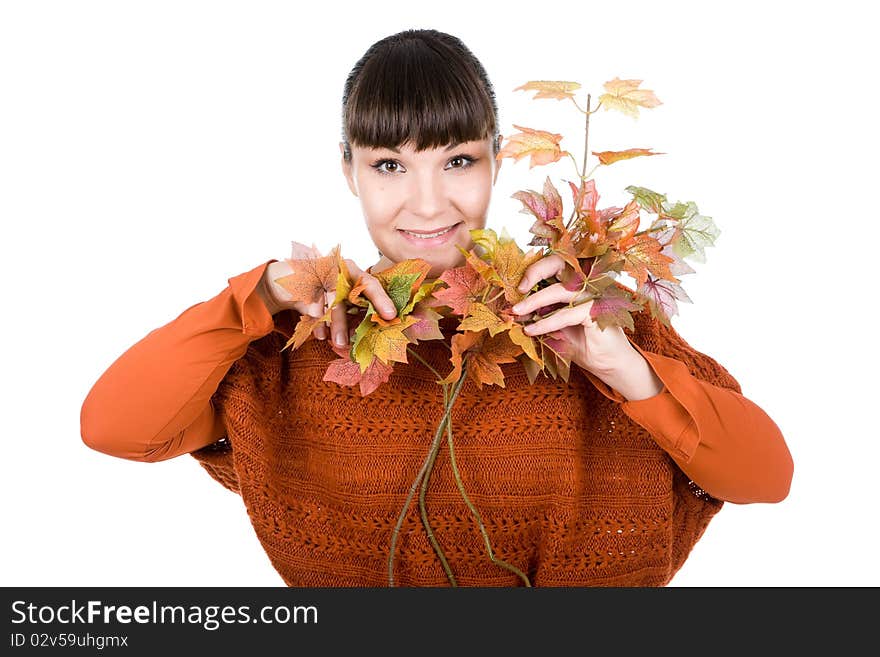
x,y
722,440
154,402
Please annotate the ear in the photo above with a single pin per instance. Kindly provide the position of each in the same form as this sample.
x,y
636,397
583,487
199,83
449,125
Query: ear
x,y
497,169
347,170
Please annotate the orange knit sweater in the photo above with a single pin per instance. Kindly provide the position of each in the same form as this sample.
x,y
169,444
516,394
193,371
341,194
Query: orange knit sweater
x,y
576,485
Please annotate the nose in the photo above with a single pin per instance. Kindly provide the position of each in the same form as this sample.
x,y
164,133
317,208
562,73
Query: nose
x,y
428,196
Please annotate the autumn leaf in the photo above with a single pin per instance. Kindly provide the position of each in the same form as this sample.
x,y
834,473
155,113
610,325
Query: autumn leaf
x,y
613,309
348,373
304,328
312,277
550,89
643,256
661,296
403,279
697,231
542,147
525,342
510,264
426,326
461,342
507,261
625,225
610,157
547,210
480,317
464,285
650,200
625,96
485,353
388,343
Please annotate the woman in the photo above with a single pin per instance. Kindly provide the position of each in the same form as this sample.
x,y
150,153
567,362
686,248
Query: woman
x,y
608,479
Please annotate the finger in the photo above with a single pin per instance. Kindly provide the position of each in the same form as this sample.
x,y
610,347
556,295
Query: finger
x,y
544,268
317,310
373,291
339,324
561,318
551,294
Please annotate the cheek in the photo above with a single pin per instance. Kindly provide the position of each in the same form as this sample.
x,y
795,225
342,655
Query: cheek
x,y
378,208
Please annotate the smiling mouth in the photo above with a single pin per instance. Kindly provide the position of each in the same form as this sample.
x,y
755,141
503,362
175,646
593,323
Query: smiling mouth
x,y
425,235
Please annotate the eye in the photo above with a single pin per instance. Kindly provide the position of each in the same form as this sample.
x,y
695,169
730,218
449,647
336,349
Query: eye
x,y
464,161
379,164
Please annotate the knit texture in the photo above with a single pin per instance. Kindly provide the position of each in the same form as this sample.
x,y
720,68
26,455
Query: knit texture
x,y
571,490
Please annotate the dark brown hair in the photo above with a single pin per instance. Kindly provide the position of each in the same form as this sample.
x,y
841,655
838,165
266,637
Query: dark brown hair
x,y
418,86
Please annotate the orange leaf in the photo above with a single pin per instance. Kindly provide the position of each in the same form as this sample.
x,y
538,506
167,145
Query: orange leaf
x,y
625,96
610,157
464,286
643,256
542,146
304,328
484,362
550,89
348,373
479,318
312,277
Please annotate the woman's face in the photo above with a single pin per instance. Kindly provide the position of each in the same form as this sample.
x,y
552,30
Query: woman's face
x,y
404,192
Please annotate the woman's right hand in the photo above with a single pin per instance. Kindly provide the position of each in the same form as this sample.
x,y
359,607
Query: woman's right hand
x,y
277,298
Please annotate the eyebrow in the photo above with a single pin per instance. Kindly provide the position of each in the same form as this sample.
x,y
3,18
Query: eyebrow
x,y
448,148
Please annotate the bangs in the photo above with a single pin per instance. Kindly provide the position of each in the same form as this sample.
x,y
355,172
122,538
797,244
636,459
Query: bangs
x,y
420,94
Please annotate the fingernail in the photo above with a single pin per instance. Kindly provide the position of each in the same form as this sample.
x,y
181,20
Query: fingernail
x,y
340,339
516,308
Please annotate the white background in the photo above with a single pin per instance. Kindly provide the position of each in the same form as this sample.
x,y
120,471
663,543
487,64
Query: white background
x,y
149,151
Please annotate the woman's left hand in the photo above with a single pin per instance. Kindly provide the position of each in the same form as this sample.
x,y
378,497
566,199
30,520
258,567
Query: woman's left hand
x,y
577,337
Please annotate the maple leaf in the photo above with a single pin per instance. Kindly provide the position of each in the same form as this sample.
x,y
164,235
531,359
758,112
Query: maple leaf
x,y
550,89
554,364
542,147
348,373
643,256
510,264
661,295
625,225
477,262
388,343
312,277
610,157
464,285
507,261
485,353
426,326
650,200
625,96
461,342
546,208
403,279
480,317
304,328
613,309
526,342
697,231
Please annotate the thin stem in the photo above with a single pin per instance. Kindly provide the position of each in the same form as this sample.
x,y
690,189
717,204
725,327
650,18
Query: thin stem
x,y
464,496
586,136
437,437
423,510
576,170
500,292
409,350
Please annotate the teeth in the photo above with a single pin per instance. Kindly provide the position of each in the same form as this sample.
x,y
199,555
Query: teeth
x,y
426,237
